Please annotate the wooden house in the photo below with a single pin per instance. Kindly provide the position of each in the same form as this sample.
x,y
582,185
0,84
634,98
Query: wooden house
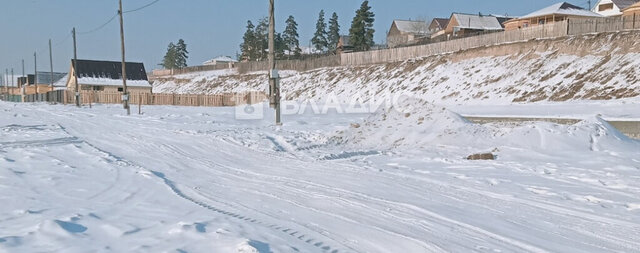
x,y
107,76
554,13
461,24
612,8
407,32
437,26
344,45
632,13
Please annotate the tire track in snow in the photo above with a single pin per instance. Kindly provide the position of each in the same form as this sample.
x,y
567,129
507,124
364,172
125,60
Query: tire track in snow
x,y
321,245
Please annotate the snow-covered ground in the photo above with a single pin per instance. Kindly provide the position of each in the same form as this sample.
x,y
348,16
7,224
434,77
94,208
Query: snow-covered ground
x,y
180,179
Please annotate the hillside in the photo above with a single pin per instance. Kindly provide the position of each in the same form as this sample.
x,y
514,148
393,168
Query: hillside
x,y
588,67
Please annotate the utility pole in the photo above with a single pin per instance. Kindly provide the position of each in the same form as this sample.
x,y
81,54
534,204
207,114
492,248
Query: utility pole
x,y
6,80
26,80
35,72
274,82
51,64
125,95
23,76
75,67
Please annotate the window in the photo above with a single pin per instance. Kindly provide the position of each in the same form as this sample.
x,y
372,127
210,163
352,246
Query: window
x,y
120,89
605,7
541,22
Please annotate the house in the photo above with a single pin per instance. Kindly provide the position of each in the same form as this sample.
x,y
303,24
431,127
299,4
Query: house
x,y
107,76
220,60
633,13
554,13
438,24
407,32
45,77
461,24
612,8
344,45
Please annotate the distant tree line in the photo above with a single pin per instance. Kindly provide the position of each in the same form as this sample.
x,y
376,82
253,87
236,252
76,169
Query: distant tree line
x,y
255,42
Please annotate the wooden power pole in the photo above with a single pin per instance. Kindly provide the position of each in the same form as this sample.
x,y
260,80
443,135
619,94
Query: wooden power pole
x,y
51,64
75,67
125,95
35,73
274,82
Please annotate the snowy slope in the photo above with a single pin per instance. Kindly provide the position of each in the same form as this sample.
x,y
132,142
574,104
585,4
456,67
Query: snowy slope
x,y
197,180
594,67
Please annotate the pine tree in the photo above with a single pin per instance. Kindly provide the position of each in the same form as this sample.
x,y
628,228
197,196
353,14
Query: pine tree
x,y
169,59
247,49
362,31
181,54
281,47
176,56
333,35
319,39
290,37
262,39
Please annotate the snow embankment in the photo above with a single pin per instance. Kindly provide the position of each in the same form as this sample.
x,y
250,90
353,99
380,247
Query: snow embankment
x,y
592,67
417,124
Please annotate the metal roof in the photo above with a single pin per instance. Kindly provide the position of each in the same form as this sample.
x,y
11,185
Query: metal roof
x,y
409,26
476,22
623,4
562,8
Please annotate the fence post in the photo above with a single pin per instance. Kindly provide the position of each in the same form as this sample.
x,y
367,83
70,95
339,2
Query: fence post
x,y
139,104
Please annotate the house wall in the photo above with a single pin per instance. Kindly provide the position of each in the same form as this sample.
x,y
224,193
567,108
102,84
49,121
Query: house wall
x,y
631,12
395,37
434,27
453,22
615,11
516,24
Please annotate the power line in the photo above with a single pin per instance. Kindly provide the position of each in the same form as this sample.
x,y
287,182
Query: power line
x,y
142,7
101,26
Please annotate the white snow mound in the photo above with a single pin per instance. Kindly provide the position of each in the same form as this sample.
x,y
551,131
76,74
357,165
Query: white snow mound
x,y
417,124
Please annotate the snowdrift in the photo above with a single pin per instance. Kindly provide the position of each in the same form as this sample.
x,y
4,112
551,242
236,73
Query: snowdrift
x,y
417,124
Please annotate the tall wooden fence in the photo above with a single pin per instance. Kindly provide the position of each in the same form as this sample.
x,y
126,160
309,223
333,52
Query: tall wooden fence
x,y
101,97
298,65
557,29
550,30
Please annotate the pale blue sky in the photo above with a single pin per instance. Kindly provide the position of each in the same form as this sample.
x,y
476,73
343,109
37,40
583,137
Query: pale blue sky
x,y
210,27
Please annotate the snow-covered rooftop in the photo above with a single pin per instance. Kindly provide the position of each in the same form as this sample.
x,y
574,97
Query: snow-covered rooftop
x,y
219,59
477,22
409,26
562,8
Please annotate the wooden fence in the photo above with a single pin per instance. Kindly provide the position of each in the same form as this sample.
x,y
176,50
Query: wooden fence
x,y
167,72
557,29
298,65
101,97
551,30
